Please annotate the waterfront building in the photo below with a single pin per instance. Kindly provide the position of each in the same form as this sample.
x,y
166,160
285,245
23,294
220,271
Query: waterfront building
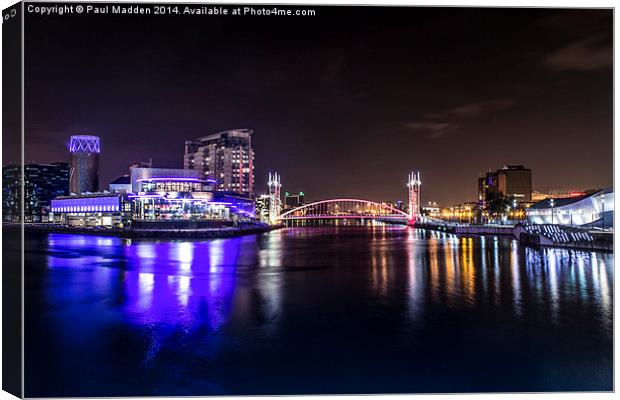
x,y
84,174
262,208
226,157
462,213
591,210
513,181
558,194
432,209
241,207
293,200
168,180
42,183
89,210
184,194
161,195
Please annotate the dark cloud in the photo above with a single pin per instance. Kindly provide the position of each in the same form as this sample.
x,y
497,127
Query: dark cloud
x,y
583,55
438,124
434,129
479,108
576,24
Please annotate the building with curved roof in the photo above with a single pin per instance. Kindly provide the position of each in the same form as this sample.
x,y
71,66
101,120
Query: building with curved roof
x,y
595,209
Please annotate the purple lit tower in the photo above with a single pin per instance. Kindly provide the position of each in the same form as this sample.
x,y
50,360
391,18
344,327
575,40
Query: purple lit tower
x,y
84,151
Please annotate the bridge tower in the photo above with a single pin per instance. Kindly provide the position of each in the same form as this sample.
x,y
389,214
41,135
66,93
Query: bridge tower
x,y
413,184
275,202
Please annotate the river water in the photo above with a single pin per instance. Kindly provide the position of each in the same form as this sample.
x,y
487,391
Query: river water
x,y
314,310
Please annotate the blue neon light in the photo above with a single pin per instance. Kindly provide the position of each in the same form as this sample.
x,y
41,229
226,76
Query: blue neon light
x,y
87,204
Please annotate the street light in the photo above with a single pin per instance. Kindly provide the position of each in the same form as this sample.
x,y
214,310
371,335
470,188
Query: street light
x,y
552,204
514,209
603,203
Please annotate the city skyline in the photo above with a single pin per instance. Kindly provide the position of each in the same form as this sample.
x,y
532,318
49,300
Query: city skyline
x,y
343,111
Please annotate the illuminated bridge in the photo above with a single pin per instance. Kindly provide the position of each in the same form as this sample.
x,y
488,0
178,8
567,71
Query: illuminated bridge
x,y
345,209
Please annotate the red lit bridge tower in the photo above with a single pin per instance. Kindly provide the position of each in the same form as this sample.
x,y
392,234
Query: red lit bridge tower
x,y
413,184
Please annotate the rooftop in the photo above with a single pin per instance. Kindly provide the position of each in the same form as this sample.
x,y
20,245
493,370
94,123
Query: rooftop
x,y
121,180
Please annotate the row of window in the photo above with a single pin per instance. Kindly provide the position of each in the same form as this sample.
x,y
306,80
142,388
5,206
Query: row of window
x,y
92,208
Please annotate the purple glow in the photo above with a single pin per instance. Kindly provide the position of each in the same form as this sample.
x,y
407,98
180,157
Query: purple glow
x,y
399,213
145,195
87,204
172,281
175,179
84,144
170,284
397,217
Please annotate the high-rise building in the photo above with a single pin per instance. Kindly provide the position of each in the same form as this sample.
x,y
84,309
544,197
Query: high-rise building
x,y
225,157
513,181
42,183
84,176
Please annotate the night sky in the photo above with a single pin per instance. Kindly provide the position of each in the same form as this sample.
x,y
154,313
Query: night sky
x,y
345,103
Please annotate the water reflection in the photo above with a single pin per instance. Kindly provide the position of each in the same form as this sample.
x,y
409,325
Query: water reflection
x,y
176,281
266,295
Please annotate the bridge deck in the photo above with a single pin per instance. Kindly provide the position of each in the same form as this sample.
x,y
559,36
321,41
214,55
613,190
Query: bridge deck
x,y
289,218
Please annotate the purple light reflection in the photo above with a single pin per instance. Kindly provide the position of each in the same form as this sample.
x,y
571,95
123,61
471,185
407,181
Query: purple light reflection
x,y
154,287
181,282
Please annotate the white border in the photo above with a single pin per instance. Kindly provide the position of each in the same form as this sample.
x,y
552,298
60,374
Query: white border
x,y
496,3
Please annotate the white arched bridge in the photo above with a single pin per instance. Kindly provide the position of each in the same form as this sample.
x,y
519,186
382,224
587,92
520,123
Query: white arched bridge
x,y
344,209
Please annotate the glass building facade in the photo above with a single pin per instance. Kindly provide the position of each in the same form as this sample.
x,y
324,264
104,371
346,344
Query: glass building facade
x,y
108,210
42,183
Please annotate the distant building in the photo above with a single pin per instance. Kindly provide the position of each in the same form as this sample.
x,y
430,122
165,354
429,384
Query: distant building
x,y
225,157
84,174
513,181
262,208
398,204
42,183
558,194
293,200
432,209
122,184
464,212
142,164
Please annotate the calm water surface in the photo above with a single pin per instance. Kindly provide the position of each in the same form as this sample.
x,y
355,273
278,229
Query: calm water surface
x,y
314,310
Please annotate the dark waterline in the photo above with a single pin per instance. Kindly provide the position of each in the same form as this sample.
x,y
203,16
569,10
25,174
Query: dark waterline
x,y
314,310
